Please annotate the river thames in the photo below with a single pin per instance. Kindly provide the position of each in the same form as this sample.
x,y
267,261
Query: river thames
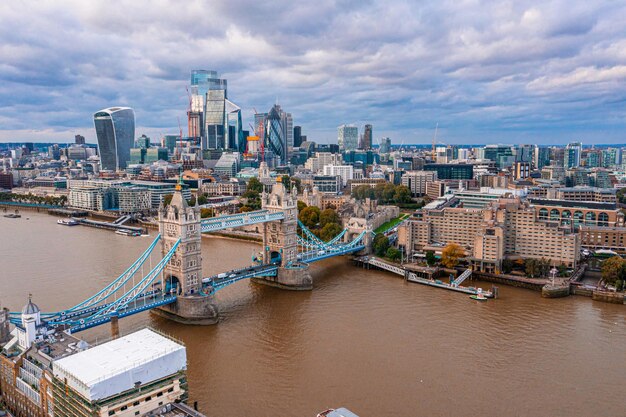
x,y
362,339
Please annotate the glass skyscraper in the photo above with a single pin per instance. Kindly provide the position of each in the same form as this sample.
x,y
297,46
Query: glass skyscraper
x,y
348,137
115,131
275,134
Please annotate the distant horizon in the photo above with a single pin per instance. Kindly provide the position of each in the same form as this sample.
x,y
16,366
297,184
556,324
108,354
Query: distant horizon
x,y
374,146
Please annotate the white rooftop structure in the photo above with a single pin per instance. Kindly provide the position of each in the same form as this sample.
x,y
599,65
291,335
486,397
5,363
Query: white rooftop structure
x,y
121,364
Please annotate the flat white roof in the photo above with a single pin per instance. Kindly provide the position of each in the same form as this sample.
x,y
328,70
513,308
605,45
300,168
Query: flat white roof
x,y
116,366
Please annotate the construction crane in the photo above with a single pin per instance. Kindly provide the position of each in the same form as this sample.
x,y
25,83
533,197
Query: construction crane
x,y
180,140
434,152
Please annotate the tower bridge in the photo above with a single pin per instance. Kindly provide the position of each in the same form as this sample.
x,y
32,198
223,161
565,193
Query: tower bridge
x,y
175,288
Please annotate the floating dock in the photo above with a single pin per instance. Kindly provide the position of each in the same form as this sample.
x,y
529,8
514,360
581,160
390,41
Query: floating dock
x,y
413,277
108,226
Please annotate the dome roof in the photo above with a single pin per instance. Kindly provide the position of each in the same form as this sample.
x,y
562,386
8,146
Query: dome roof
x,y
30,308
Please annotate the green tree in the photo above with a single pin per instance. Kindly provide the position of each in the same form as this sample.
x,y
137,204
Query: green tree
x,y
613,269
393,253
389,190
329,231
310,216
301,205
402,194
380,244
167,199
329,216
192,201
431,259
206,213
202,199
451,254
255,185
532,267
507,266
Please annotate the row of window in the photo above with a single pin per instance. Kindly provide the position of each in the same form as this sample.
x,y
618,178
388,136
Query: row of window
x,y
137,403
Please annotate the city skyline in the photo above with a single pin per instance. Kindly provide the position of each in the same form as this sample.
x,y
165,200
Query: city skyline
x,y
523,73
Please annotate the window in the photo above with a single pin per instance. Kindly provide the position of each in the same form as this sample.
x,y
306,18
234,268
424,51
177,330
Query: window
x,y
112,412
124,407
170,390
136,403
160,394
137,412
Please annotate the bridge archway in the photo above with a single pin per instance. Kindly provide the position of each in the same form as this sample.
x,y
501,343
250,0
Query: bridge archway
x,y
172,285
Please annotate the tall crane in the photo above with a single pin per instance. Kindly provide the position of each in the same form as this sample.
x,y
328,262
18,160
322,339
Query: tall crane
x,y
434,151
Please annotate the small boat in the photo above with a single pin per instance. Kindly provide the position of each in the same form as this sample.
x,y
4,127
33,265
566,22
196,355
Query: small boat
x,y
126,232
479,296
66,222
12,216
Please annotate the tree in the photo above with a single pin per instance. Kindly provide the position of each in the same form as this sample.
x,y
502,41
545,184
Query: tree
x,y
207,212
613,269
167,199
329,231
202,199
532,267
402,194
388,193
451,254
393,253
301,205
507,266
310,216
329,216
255,185
362,192
380,244
192,201
431,259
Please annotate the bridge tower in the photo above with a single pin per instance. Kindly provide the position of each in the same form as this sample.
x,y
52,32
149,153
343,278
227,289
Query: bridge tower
x,y
183,273
280,241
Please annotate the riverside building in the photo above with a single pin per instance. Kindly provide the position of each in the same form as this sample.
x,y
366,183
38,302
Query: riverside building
x,y
506,228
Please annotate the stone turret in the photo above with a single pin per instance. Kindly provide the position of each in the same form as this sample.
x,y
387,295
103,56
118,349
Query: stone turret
x,y
183,272
280,240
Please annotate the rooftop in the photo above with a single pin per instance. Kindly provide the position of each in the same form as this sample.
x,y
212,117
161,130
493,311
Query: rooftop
x,y
120,364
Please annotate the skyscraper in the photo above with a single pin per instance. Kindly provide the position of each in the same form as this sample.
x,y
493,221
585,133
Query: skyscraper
x,y
573,152
348,137
297,136
115,131
367,137
275,139
212,117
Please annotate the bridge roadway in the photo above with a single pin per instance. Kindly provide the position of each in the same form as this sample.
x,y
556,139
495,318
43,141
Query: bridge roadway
x,y
241,219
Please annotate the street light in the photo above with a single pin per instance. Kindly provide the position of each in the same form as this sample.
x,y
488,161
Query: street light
x,y
553,272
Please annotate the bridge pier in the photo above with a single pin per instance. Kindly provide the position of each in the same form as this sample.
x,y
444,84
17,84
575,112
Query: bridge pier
x,y
295,277
194,309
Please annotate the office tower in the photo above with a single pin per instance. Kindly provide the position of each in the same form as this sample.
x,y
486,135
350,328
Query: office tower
x,y
286,122
143,142
213,120
385,145
115,131
297,136
275,140
573,152
524,153
502,155
347,138
79,139
367,137
541,157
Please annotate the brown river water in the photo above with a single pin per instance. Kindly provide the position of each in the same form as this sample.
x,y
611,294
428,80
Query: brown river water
x,y
362,339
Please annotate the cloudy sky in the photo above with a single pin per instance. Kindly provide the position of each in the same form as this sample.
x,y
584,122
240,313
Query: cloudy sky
x,y
509,72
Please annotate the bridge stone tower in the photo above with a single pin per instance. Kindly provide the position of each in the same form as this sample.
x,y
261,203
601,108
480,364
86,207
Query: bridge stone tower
x,y
183,273
280,241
